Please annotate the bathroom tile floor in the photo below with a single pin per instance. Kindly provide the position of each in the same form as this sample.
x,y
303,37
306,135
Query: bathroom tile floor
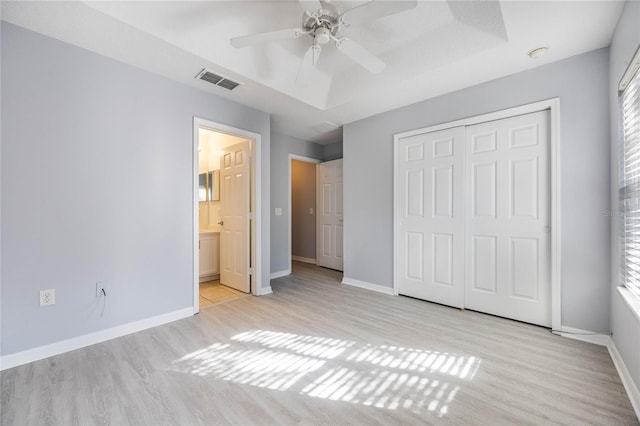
x,y
212,293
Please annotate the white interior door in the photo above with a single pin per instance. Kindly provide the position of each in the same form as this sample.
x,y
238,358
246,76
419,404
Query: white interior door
x,y
234,211
508,218
330,215
430,257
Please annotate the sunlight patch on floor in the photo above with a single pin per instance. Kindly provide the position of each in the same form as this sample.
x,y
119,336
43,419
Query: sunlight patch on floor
x,y
382,376
257,367
320,347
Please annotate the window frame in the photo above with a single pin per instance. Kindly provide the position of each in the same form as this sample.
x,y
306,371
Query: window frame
x,y
629,177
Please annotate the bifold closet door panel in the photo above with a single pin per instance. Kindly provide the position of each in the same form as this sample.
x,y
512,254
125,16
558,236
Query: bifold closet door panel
x,y
507,230
430,257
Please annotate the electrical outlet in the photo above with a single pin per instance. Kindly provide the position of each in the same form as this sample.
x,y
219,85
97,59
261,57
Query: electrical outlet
x,y
311,210
47,297
101,288
278,211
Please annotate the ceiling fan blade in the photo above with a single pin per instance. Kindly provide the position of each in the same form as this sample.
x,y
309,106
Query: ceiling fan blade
x,y
308,66
375,9
360,55
252,39
310,6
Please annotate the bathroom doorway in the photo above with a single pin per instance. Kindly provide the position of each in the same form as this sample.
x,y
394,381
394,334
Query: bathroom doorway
x,y
224,207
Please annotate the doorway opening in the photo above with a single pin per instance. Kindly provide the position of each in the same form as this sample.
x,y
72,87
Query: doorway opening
x,y
315,204
226,213
302,208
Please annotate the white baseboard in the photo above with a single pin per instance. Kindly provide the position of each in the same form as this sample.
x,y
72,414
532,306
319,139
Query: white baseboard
x,y
265,290
366,285
584,335
57,348
304,259
205,278
279,274
618,362
625,376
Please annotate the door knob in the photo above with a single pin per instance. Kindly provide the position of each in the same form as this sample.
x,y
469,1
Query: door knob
x,y
221,223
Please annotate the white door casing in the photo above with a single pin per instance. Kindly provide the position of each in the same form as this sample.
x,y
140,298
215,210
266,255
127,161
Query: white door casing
x,y
330,215
234,212
258,269
430,238
508,218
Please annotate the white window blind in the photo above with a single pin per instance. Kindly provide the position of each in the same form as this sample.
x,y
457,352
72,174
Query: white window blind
x,y
630,191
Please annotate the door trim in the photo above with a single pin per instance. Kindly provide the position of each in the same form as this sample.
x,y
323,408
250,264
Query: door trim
x,y
289,231
553,105
256,202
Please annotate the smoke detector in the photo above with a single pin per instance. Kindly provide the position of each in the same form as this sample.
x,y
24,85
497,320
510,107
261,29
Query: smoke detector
x,y
538,52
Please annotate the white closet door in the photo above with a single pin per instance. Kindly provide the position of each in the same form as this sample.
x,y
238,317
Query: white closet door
x,y
330,217
430,258
508,218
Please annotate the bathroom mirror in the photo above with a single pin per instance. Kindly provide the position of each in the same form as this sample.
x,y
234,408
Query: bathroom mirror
x,y
202,187
209,186
213,190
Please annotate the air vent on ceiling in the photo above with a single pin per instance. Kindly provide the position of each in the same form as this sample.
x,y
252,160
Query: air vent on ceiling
x,y
216,79
228,84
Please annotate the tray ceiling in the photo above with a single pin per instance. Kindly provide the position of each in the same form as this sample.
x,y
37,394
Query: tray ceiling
x,y
438,47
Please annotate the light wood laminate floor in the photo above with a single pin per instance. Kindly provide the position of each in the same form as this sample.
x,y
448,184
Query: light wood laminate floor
x,y
317,352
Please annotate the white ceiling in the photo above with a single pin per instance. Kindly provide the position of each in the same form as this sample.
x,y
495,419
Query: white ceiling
x,y
217,140
436,48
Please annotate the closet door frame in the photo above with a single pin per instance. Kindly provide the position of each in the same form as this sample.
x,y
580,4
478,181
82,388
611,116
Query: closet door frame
x,y
553,105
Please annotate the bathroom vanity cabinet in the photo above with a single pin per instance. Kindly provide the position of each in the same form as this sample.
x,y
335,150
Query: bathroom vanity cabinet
x,y
209,255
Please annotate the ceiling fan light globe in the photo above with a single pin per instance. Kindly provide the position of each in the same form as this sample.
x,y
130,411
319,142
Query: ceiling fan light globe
x,y
322,35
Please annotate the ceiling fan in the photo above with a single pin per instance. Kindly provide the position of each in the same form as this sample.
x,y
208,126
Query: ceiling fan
x,y
322,23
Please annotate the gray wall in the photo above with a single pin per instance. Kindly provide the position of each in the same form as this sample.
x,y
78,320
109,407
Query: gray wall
x,y
281,147
581,84
624,324
97,185
303,198
332,151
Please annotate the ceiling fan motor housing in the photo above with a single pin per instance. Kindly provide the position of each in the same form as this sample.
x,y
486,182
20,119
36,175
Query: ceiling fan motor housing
x,y
322,24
